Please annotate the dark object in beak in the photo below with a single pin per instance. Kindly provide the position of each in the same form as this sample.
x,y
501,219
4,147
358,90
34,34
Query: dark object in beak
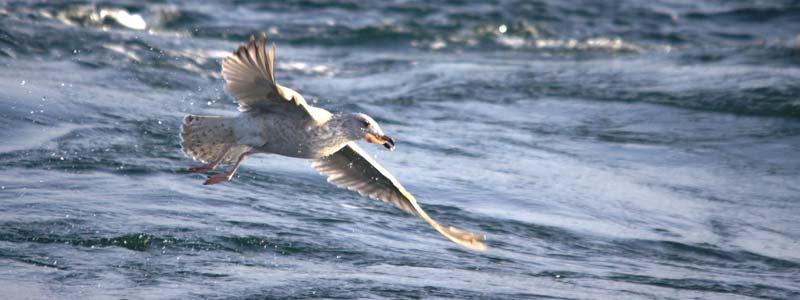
x,y
380,140
389,144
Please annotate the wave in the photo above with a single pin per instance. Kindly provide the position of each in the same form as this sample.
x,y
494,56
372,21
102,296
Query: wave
x,y
170,20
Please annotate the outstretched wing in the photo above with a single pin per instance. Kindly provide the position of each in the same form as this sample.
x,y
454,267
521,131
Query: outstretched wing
x,y
354,169
250,76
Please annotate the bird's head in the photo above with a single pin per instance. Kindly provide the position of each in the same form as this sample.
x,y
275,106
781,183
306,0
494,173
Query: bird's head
x,y
361,126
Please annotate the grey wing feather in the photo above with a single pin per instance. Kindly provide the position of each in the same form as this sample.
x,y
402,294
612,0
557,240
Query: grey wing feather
x,y
354,169
250,76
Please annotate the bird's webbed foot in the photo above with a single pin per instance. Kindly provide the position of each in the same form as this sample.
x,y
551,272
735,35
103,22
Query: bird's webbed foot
x,y
218,178
203,168
227,176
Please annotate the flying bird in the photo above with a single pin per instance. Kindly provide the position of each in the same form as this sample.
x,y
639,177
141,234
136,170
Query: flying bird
x,y
276,119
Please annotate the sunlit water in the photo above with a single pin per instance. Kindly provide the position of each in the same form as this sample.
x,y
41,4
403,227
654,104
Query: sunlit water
x,y
628,149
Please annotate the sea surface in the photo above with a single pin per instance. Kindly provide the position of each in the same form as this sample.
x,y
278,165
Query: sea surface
x,y
627,149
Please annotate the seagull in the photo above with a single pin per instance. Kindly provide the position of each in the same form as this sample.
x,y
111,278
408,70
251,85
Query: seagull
x,y
276,119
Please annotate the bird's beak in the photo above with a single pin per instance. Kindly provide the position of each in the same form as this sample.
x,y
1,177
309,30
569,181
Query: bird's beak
x,y
380,140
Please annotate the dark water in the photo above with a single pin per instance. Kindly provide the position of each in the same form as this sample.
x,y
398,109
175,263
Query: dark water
x,y
609,150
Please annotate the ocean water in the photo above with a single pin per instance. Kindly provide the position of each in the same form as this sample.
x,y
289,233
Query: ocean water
x,y
608,149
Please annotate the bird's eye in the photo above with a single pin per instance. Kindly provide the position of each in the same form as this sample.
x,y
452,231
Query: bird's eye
x,y
365,124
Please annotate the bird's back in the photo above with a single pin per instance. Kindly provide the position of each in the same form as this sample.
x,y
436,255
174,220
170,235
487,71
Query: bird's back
x,y
273,132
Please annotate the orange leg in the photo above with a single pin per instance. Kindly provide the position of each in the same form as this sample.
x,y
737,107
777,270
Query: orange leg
x,y
227,176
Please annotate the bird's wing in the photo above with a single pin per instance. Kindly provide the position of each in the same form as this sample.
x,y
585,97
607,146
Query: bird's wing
x,y
250,76
354,169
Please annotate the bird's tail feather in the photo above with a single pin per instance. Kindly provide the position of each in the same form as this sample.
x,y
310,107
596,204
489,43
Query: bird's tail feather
x,y
208,138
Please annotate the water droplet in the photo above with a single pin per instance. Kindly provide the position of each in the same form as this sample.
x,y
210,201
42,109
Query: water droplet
x,y
62,158
208,103
159,122
503,28
22,82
